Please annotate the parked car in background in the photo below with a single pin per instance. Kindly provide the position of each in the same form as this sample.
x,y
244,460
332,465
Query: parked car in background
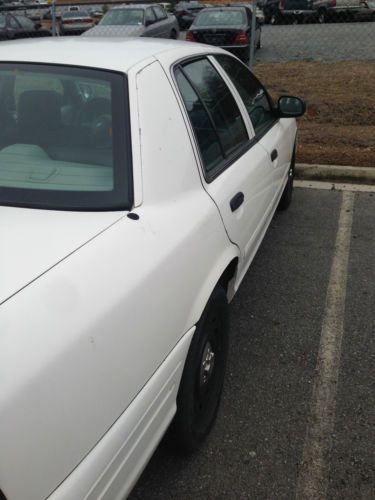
x,y
75,22
186,12
15,26
298,11
366,11
96,13
226,27
137,181
270,10
137,20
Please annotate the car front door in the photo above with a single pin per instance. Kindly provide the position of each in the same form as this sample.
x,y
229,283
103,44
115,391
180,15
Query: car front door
x,y
237,170
276,136
162,21
151,24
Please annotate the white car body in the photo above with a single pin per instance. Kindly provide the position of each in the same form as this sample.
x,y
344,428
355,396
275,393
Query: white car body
x,y
98,310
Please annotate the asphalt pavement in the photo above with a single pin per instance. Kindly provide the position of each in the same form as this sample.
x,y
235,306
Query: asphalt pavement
x,y
257,446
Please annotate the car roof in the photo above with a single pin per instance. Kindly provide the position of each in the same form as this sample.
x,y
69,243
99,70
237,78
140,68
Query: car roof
x,y
112,53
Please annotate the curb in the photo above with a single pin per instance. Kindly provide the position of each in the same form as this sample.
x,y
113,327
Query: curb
x,y
335,173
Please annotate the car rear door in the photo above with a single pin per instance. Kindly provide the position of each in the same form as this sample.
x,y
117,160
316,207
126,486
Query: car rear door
x,y
237,171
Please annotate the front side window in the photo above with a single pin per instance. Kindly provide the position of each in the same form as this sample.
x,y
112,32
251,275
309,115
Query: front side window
x,y
160,12
220,104
62,132
150,16
252,93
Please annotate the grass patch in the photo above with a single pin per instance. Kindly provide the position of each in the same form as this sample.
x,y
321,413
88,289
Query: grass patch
x,y
339,125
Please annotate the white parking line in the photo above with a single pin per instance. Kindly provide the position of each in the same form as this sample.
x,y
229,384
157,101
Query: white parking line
x,y
335,186
313,477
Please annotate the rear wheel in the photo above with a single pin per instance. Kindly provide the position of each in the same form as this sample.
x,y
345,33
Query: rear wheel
x,y
203,376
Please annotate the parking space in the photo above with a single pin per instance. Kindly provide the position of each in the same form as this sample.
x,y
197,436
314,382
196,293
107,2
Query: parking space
x,y
257,445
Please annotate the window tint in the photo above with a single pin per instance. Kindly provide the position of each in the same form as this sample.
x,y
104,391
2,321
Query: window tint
x,y
252,93
208,141
220,104
61,138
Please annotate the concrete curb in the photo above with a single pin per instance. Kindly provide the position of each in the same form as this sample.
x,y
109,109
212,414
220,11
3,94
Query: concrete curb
x,y
335,173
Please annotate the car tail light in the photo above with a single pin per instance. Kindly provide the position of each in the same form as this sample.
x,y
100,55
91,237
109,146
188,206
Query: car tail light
x,y
190,37
241,38
68,22
282,4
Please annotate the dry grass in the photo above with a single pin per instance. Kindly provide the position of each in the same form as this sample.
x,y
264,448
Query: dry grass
x,y
339,125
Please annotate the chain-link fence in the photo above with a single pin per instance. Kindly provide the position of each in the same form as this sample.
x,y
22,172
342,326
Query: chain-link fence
x,y
322,50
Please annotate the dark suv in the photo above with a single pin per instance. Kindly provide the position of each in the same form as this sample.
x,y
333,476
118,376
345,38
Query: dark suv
x,y
185,13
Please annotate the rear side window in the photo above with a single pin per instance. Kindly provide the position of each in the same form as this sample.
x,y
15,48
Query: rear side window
x,y
252,93
213,111
62,135
160,12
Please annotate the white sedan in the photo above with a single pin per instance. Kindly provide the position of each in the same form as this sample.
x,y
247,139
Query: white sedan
x,y
137,180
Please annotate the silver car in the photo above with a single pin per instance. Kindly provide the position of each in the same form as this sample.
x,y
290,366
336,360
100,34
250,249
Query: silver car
x,y
139,20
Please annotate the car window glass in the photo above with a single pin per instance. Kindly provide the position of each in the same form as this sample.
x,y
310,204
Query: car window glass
x,y
123,17
159,11
150,15
252,93
208,141
2,21
220,18
62,137
25,22
13,23
220,104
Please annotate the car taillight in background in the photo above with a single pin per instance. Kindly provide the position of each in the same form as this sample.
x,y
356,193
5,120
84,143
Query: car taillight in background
x,y
282,4
190,37
241,38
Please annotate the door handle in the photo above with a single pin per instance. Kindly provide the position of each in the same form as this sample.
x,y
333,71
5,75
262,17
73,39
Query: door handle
x,y
274,155
237,201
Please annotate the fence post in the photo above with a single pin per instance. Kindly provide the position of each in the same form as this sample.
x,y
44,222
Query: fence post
x,y
252,34
53,11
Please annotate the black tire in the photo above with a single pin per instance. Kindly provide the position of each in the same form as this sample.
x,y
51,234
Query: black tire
x,y
259,44
322,16
173,35
203,376
286,197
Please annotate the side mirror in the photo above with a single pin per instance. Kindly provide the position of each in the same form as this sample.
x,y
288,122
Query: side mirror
x,y
290,107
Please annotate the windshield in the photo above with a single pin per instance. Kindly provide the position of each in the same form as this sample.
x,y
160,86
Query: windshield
x,y
62,132
220,18
123,17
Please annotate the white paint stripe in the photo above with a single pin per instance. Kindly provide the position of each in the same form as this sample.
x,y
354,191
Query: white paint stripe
x,y
334,186
313,477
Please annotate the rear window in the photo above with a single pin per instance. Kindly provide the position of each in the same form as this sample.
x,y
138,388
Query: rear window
x,y
220,18
64,138
123,17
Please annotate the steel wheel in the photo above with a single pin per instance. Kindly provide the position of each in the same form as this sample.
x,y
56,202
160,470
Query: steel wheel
x,y
203,377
